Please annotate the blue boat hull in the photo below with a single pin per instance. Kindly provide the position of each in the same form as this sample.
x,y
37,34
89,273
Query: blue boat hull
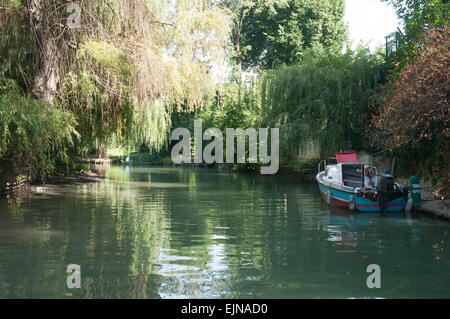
x,y
342,198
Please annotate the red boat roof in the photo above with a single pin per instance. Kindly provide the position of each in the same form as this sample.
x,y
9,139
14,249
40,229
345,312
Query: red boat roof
x,y
347,157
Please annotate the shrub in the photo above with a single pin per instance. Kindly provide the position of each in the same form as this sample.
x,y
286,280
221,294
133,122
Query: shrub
x,y
414,119
145,158
34,136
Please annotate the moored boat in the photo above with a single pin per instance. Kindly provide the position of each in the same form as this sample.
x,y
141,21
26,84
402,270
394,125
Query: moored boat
x,y
359,186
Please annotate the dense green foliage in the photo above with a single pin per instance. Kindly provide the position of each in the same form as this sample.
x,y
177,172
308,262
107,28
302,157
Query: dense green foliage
x,y
281,31
14,47
116,78
321,103
127,65
233,106
121,84
34,137
266,33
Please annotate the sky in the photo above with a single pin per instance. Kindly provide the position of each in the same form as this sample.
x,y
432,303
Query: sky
x,y
370,21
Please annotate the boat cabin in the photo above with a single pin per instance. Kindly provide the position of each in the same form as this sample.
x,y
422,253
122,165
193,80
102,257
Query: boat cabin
x,y
350,172
352,175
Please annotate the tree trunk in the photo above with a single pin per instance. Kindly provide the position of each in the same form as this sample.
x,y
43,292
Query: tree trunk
x,y
46,53
236,38
238,60
101,151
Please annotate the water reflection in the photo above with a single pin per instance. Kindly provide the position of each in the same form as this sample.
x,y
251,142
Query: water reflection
x,y
344,226
185,233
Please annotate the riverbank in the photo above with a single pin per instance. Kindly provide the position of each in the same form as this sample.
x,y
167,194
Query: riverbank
x,y
52,183
434,207
77,178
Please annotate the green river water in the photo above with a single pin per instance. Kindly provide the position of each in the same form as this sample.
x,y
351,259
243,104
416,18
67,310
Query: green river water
x,y
204,233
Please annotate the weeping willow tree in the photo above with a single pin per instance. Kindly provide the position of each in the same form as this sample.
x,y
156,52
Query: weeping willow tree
x,y
34,136
321,102
121,68
135,61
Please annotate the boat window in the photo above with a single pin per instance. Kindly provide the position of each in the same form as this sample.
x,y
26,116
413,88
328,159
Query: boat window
x,y
352,175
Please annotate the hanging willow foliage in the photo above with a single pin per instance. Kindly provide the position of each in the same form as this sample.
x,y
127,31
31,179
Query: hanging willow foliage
x,y
129,63
134,60
321,101
109,83
14,43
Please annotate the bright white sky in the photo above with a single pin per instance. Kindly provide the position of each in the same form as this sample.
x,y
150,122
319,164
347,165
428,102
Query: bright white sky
x,y
370,21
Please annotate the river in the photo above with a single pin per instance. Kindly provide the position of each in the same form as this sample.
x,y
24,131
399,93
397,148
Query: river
x,y
202,233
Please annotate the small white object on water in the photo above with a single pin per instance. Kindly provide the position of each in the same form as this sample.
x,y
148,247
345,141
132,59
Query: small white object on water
x,y
40,189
